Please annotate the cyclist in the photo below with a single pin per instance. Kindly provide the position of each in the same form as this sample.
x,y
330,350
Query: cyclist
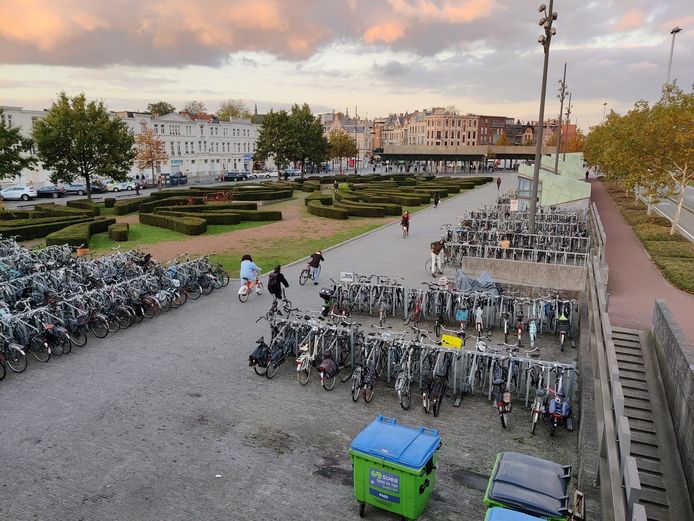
x,y
249,271
405,223
437,257
275,282
314,264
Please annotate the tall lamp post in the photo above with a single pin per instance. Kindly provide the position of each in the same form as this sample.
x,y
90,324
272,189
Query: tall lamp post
x,y
356,144
568,120
604,107
561,96
544,40
672,48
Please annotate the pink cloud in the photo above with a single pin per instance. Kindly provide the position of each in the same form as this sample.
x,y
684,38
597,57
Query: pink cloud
x,y
632,19
450,11
388,32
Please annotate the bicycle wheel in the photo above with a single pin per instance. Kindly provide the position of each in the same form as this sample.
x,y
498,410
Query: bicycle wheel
x,y
149,309
437,327
113,323
2,370
286,306
426,402
536,417
99,326
124,318
303,277
328,383
259,288
405,398
304,374
260,371
271,370
368,393
39,349
437,406
16,360
180,297
194,290
427,266
206,285
78,337
222,277
164,301
356,384
243,294
64,344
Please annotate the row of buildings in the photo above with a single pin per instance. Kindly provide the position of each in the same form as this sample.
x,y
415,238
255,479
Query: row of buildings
x,y
203,146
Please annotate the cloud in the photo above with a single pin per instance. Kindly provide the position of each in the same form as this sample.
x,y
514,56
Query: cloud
x,y
387,32
632,19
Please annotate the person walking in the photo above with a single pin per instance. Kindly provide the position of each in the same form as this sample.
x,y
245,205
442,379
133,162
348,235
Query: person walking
x,y
437,257
587,174
160,182
405,223
275,282
498,183
336,185
314,264
437,198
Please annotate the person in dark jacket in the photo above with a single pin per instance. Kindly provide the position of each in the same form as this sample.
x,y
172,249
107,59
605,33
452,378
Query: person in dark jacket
x,y
436,199
275,282
314,264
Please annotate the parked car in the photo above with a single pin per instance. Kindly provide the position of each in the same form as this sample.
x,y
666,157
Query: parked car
x,y
177,179
262,175
18,192
122,185
81,188
50,191
291,171
235,176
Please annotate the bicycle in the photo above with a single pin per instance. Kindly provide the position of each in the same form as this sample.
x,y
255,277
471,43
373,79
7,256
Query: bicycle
x,y
274,308
440,380
306,274
408,367
308,354
247,288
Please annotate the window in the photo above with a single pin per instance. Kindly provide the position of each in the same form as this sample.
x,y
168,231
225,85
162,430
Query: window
x,y
156,128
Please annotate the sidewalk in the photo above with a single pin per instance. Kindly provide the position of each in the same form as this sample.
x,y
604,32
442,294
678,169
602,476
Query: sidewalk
x,y
634,281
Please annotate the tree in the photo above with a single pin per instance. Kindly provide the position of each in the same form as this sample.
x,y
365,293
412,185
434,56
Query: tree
x,y
306,137
273,140
15,151
160,108
195,107
233,109
80,139
341,145
503,141
150,151
576,142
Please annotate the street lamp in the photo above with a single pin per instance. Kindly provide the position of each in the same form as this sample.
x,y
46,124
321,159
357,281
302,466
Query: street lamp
x,y
568,120
672,48
561,96
544,40
356,143
604,107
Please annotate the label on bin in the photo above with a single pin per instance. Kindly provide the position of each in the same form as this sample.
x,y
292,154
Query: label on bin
x,y
384,480
384,496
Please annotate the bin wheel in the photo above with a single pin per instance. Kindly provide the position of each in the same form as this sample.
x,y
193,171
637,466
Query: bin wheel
x,y
361,509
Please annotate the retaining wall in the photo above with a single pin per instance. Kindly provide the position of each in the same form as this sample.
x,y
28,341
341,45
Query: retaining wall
x,y
676,359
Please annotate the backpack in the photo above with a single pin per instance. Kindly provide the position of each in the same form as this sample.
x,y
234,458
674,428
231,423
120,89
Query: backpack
x,y
260,356
272,282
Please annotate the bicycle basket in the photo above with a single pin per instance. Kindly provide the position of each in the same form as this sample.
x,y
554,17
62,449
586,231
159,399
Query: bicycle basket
x,y
328,367
326,294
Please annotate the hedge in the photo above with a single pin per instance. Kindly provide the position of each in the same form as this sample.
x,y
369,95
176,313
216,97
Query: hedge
x,y
35,231
331,212
345,196
109,202
84,204
118,232
149,206
9,215
212,207
309,187
53,209
79,234
318,196
264,195
130,205
185,225
210,217
260,215
362,211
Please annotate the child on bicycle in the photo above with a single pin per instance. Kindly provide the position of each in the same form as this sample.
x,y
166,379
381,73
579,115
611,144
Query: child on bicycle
x,y
249,271
275,282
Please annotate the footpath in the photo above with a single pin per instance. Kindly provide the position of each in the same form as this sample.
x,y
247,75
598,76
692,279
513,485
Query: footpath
x,y
634,280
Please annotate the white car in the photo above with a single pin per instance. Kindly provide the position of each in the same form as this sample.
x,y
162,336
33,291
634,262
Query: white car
x,y
262,175
18,192
123,185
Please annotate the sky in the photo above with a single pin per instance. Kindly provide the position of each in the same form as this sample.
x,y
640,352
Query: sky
x,y
373,56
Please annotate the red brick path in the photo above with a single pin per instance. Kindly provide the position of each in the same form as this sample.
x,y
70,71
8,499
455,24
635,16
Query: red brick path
x,y
634,280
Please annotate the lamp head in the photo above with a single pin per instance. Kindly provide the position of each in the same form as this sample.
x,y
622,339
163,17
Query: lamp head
x,y
542,7
541,39
676,30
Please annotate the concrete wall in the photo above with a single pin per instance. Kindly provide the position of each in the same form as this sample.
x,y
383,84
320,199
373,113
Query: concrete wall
x,y
676,359
554,276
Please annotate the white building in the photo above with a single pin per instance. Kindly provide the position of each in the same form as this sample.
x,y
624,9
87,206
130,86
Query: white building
x,y
198,145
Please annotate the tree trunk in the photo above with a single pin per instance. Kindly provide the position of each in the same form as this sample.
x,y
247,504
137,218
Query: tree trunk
x,y
153,180
89,187
649,211
676,218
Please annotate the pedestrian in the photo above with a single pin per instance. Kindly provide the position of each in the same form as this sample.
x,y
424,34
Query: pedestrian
x,y
498,183
137,187
479,314
436,257
286,176
314,264
437,198
249,271
405,223
587,173
374,168
160,182
275,282
336,185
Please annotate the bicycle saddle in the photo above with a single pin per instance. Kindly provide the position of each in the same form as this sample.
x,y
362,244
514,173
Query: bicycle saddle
x,y
260,340
540,393
48,326
498,381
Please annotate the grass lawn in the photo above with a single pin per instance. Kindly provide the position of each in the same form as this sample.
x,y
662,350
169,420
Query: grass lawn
x,y
272,252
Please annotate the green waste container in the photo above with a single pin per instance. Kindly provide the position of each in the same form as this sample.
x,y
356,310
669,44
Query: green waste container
x,y
394,467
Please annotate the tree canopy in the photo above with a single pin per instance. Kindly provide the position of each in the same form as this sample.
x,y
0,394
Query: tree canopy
x,y
15,151
306,141
195,107
273,139
160,108
233,109
150,151
80,139
342,145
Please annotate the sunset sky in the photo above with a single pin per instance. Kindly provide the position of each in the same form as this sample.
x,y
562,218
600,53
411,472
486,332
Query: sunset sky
x,y
379,55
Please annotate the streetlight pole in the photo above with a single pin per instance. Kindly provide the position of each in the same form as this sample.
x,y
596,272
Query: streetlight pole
x,y
561,96
356,143
604,107
544,40
672,48
568,121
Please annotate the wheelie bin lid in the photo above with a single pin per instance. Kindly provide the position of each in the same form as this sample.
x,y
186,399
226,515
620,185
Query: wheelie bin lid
x,y
504,514
385,439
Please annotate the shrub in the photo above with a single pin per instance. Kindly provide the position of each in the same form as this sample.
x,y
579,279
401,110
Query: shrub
x,y
149,206
331,212
129,206
185,225
210,217
118,232
361,210
346,196
8,215
78,234
318,196
28,229
264,195
260,215
84,204
205,208
309,187
65,211
109,202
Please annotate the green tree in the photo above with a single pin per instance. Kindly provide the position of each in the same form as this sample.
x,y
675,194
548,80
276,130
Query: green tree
x,y
233,109
195,107
274,140
341,145
306,137
15,151
577,142
160,108
80,139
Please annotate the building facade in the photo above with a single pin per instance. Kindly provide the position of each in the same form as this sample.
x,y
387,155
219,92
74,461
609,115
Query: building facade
x,y
360,129
490,129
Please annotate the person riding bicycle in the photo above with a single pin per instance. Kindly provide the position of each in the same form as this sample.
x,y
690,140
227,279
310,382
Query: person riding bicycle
x,y
275,281
314,264
437,256
563,324
405,223
249,270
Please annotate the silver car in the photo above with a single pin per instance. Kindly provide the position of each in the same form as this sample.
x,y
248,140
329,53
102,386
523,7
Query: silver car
x,y
18,192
